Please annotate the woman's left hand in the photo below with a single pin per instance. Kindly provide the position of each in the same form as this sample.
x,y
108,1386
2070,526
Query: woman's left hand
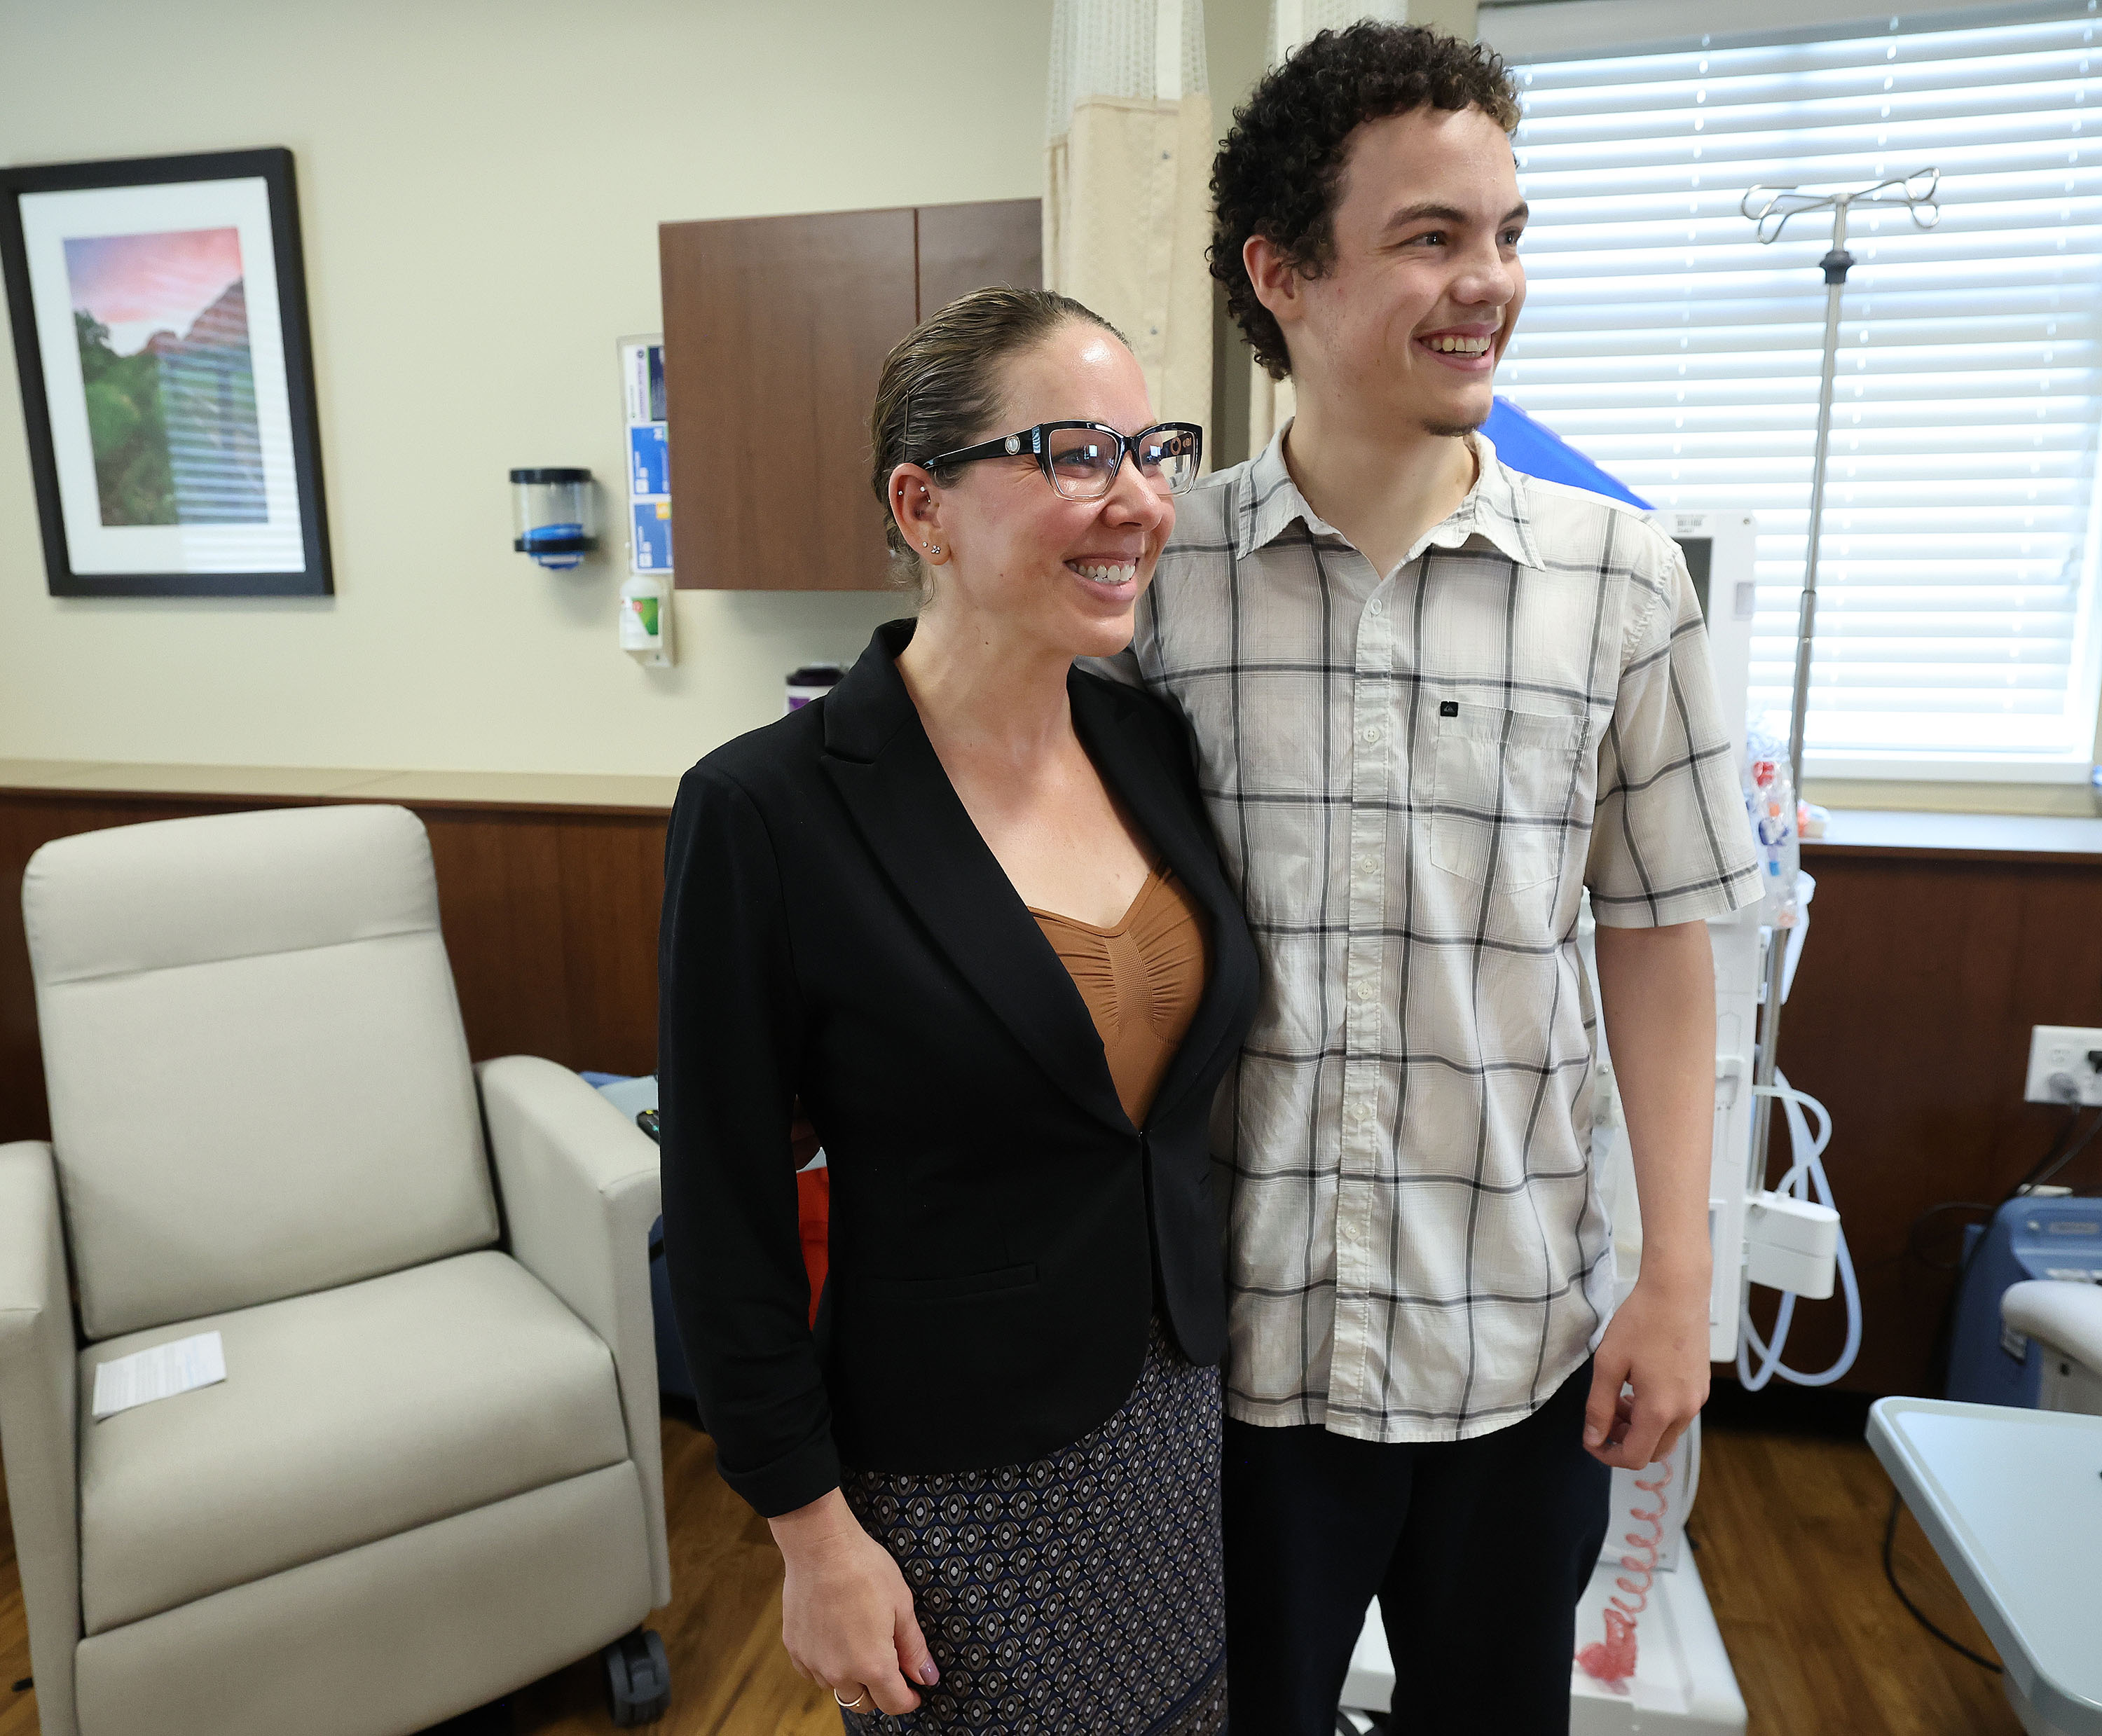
x,y
847,1619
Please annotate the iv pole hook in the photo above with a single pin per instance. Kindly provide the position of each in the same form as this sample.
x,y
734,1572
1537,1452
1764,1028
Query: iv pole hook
x,y
1770,210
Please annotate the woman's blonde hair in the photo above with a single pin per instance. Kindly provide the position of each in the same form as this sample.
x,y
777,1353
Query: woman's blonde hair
x,y
941,389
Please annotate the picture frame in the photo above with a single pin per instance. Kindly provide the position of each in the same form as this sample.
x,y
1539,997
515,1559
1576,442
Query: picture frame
x,y
158,307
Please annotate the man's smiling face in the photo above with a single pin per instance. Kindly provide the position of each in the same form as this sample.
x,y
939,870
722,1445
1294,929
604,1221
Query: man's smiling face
x,y
1416,302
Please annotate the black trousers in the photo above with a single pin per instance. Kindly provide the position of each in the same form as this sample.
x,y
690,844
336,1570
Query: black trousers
x,y
1477,1550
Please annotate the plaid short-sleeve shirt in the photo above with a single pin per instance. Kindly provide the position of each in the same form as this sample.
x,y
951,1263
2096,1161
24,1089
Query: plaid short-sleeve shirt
x,y
1413,777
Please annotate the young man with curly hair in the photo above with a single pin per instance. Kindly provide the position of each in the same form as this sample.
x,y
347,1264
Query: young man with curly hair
x,y
1433,700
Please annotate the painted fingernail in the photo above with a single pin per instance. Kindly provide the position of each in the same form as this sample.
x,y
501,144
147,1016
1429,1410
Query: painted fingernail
x,y
929,1674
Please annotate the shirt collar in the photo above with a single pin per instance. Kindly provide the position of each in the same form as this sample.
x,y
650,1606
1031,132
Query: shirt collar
x,y
1494,508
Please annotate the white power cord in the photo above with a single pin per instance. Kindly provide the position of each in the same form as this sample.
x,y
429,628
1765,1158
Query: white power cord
x,y
1806,1178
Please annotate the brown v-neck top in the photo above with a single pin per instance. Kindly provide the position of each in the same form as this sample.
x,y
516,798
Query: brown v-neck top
x,y
1142,980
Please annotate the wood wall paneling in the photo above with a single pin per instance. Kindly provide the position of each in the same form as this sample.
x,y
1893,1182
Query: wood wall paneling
x,y
775,332
1909,1020
550,919
965,247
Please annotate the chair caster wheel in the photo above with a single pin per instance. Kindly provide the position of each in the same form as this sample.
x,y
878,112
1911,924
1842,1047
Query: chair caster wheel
x,y
638,1679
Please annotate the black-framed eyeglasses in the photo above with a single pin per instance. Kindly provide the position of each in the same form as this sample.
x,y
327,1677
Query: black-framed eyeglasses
x,y
1081,459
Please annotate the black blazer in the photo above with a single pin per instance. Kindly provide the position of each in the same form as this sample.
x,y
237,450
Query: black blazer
x,y
835,928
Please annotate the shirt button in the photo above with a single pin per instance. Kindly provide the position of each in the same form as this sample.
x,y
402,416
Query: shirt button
x,y
1375,607
1368,864
1372,733
1364,991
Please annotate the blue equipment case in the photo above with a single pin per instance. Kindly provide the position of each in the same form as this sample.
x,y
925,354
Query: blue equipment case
x,y
2027,1238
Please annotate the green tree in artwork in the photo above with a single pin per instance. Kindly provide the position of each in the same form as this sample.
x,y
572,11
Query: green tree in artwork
x,y
126,427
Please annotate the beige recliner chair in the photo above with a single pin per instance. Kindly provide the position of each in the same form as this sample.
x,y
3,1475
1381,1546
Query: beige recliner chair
x,y
432,1473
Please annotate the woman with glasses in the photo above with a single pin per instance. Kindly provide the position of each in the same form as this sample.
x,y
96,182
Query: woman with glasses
x,y
967,910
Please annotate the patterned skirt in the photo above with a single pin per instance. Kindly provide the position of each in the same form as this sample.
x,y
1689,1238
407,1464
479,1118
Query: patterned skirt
x,y
1081,1594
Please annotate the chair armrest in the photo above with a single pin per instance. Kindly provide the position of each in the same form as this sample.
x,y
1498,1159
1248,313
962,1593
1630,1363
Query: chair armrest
x,y
579,1185
39,1400
2066,1317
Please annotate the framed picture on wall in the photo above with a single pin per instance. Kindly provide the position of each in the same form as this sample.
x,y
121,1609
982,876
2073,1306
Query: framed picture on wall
x,y
159,308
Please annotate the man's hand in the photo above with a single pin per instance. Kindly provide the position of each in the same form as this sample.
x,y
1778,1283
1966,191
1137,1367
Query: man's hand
x,y
1658,1345
1657,990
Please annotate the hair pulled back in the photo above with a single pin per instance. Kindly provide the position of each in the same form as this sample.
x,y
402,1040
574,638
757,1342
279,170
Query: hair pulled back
x,y
941,386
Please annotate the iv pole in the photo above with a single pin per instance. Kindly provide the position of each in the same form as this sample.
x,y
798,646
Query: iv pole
x,y
1771,208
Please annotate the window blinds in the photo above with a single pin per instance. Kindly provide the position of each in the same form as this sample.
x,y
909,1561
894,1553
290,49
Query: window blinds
x,y
1956,587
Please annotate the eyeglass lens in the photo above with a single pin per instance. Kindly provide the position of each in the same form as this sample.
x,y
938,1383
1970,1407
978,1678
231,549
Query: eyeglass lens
x,y
1084,461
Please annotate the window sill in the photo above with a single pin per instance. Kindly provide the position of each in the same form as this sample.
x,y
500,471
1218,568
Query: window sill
x,y
2054,839
2067,801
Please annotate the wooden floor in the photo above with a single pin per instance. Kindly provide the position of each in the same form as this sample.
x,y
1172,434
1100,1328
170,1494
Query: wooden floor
x,y
1788,1530
729,1675
1789,1533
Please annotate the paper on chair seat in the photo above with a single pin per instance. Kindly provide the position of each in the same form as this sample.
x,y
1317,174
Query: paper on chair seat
x,y
160,1372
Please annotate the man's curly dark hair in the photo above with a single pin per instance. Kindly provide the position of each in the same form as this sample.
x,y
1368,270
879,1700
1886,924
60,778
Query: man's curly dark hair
x,y
1276,174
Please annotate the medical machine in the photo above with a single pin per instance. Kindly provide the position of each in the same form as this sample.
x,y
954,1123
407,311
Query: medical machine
x,y
1650,1658
2029,1239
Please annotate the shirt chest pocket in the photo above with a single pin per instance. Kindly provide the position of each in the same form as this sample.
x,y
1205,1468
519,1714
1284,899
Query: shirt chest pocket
x,y
1504,786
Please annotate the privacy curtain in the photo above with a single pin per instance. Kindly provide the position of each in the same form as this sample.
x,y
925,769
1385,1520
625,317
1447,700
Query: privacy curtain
x,y
1127,208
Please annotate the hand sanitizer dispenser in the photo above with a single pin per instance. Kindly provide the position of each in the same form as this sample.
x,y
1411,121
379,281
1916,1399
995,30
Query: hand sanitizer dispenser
x,y
646,619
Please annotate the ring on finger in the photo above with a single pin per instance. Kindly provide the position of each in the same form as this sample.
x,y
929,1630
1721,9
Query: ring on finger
x,y
855,1703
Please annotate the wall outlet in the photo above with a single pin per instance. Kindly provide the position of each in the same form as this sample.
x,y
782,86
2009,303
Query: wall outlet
x,y
2065,1065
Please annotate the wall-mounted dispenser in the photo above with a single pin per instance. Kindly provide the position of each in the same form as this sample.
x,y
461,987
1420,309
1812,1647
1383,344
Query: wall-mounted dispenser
x,y
646,619
552,513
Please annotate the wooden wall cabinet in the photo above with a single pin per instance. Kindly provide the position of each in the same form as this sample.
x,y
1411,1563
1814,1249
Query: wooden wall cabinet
x,y
775,331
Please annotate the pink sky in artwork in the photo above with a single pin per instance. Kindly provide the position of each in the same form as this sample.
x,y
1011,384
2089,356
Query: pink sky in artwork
x,y
137,285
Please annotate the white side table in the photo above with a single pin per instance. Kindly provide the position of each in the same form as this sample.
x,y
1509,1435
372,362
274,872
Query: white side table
x,y
2012,1501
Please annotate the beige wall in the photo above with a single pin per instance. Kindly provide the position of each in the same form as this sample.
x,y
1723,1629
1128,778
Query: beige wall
x,y
1455,17
480,187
